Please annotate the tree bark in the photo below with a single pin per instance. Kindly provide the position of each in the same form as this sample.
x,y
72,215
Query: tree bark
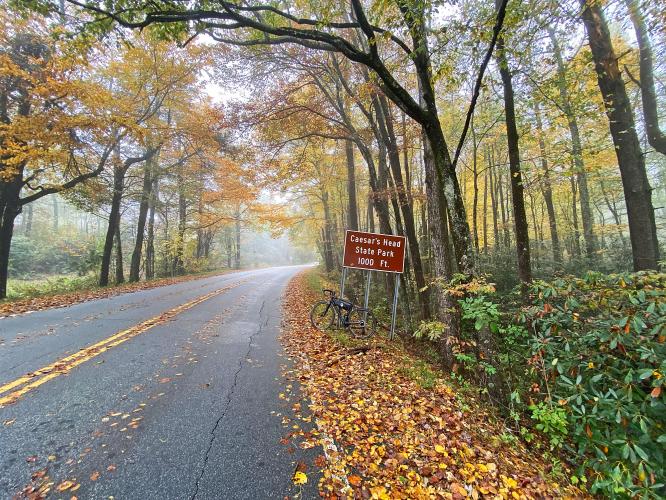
x,y
120,268
637,190
352,212
150,237
519,215
135,264
656,138
179,260
10,207
446,307
574,215
576,150
114,218
547,189
386,129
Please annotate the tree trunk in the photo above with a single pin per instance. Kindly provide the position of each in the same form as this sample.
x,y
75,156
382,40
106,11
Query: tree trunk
x,y
637,190
28,221
10,207
656,138
386,129
237,259
503,211
120,271
446,307
485,212
493,201
577,150
352,212
150,237
179,258
135,264
519,215
114,218
547,189
574,215
475,199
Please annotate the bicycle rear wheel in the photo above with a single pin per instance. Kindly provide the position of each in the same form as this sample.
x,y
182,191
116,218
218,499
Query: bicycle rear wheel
x,y
362,323
322,315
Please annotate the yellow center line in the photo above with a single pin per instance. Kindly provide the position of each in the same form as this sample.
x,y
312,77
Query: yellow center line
x,y
64,365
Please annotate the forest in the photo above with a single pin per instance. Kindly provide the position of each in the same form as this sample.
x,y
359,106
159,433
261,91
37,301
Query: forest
x,y
519,146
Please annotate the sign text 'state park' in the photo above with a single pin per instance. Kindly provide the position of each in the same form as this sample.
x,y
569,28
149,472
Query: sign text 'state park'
x,y
376,252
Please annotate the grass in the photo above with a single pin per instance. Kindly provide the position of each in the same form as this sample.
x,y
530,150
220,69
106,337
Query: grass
x,y
419,371
70,283
53,285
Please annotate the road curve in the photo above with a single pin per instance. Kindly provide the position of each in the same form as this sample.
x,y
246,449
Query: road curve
x,y
172,392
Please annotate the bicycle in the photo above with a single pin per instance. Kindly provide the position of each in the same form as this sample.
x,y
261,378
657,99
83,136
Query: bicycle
x,y
359,321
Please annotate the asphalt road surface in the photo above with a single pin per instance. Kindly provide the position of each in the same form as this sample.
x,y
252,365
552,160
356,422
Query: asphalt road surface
x,y
172,392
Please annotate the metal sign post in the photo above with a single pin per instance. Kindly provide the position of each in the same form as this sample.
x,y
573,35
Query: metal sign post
x,y
374,252
394,310
367,294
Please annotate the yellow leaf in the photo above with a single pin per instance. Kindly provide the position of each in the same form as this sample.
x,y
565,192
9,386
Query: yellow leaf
x,y
300,477
439,448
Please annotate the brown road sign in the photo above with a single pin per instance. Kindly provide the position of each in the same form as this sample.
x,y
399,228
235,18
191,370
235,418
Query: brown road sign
x,y
377,252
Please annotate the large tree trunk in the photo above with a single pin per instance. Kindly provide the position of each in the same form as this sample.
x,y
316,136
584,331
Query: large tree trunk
x,y
114,218
135,264
519,215
10,207
656,138
576,149
446,307
637,190
352,212
547,189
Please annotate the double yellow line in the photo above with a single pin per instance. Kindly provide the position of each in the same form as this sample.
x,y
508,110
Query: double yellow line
x,y
12,391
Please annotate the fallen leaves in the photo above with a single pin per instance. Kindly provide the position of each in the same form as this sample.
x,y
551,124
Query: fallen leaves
x,y
385,436
300,478
94,476
67,485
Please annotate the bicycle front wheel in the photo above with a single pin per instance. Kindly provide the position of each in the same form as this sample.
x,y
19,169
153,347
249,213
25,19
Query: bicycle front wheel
x,y
362,323
322,315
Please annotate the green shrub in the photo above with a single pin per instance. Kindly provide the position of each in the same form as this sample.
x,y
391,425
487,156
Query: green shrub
x,y
598,348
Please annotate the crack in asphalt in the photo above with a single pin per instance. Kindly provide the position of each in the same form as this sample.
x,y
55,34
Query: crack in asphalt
x,y
230,396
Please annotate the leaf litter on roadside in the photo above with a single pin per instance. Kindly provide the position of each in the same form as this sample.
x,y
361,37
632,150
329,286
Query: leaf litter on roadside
x,y
390,437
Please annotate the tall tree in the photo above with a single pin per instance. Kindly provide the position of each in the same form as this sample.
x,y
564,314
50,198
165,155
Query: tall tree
x,y
637,190
54,132
576,147
655,136
516,180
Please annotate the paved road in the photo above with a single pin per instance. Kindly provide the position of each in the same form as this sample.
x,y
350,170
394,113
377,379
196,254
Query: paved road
x,y
178,397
